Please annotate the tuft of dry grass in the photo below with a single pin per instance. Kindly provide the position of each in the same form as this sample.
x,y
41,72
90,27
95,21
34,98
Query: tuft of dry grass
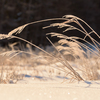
x,y
85,58
8,72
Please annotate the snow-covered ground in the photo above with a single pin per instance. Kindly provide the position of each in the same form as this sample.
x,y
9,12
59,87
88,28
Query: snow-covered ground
x,y
50,90
49,86
42,82
39,84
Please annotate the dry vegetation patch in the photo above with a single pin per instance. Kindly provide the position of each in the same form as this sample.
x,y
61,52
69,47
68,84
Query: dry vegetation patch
x,y
75,56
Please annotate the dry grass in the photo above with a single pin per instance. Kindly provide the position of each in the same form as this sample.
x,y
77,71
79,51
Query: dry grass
x,y
85,58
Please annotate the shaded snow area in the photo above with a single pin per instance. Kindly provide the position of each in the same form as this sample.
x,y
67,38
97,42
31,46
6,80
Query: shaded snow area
x,y
50,91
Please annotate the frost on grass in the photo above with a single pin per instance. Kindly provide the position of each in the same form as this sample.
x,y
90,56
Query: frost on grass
x,y
78,60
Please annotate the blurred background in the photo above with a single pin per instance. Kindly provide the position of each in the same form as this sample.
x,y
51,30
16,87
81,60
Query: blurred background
x,y
14,13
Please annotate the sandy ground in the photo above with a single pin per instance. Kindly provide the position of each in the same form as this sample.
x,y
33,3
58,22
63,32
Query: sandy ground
x,y
50,90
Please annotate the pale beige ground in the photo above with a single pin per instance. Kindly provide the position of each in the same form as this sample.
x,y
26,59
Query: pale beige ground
x,y
46,86
50,90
